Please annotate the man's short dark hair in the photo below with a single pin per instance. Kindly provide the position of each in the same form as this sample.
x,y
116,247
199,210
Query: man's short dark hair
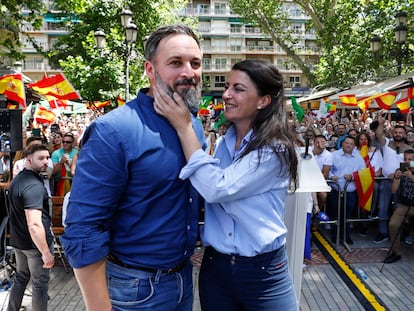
x,y
151,46
34,148
31,139
397,126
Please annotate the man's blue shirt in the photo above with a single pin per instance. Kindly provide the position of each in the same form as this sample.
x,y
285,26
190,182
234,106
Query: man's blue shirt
x,y
126,197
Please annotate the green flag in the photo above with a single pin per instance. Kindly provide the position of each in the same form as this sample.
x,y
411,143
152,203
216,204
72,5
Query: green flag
x,y
298,109
205,101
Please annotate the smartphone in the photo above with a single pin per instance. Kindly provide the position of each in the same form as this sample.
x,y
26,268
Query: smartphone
x,y
411,163
331,144
36,132
403,166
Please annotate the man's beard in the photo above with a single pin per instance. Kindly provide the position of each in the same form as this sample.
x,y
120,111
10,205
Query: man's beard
x,y
190,96
398,139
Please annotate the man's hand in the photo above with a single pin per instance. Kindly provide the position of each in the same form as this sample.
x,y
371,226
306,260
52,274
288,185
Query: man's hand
x,y
48,260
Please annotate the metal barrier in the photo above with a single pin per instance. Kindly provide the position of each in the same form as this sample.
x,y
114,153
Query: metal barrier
x,y
343,194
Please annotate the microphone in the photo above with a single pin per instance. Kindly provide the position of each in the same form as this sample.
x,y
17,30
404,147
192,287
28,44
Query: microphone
x,y
306,154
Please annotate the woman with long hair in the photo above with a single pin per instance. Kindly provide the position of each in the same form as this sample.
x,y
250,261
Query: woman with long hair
x,y
244,184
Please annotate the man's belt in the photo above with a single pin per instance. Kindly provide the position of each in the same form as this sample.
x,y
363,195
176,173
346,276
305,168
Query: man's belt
x,y
115,260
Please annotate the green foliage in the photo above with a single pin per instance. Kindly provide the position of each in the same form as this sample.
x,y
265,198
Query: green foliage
x,y
344,29
11,19
100,75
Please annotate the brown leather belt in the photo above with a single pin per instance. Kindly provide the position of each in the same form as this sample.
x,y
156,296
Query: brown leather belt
x,y
115,260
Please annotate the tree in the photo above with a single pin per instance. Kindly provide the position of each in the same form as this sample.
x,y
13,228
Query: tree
x,y
99,75
343,29
12,18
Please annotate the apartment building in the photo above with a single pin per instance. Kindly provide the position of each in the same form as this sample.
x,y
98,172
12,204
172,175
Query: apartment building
x,y
227,40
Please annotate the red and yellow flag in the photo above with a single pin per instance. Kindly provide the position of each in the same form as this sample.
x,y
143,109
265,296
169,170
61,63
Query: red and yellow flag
x,y
13,87
403,104
364,182
57,86
120,101
364,154
55,103
385,100
43,115
410,95
99,104
348,100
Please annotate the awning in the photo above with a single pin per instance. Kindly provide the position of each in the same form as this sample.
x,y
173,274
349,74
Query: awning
x,y
319,94
370,88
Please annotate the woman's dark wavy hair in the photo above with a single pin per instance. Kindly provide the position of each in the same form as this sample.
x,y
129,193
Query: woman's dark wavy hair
x,y
270,125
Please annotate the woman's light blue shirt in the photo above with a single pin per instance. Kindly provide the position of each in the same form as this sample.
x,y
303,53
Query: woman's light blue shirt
x,y
244,201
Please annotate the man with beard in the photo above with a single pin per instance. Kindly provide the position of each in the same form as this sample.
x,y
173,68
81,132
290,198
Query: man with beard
x,y
399,137
131,223
30,233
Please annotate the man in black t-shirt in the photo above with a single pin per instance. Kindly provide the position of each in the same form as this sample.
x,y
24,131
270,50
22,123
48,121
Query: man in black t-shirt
x,y
30,232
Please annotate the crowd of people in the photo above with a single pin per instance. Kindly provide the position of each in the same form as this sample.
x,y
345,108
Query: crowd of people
x,y
147,168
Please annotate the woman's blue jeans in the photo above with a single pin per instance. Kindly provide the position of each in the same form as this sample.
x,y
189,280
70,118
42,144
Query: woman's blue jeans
x,y
132,289
232,282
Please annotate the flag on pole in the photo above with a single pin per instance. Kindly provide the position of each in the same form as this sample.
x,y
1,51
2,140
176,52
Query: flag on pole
x,y
43,115
403,104
298,109
365,155
364,182
120,101
385,100
410,95
98,104
348,100
57,86
13,87
56,103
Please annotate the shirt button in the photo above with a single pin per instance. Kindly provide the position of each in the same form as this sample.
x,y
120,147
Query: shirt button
x,y
190,200
185,253
230,234
188,227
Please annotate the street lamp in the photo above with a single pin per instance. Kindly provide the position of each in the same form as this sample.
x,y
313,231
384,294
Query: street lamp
x,y
400,35
131,31
400,38
375,43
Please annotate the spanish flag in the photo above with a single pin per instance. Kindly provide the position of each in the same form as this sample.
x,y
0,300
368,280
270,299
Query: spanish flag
x,y
403,104
348,100
120,101
386,100
364,182
13,87
43,115
410,95
57,86
99,104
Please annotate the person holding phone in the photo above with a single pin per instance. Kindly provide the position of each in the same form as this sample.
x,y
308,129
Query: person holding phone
x,y
403,186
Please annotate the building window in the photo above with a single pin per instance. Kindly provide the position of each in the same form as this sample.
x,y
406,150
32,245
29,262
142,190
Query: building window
x,y
219,81
220,8
221,63
235,28
294,81
207,63
33,64
202,9
234,61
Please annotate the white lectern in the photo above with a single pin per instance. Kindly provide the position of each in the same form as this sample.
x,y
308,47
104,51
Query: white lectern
x,y
310,180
